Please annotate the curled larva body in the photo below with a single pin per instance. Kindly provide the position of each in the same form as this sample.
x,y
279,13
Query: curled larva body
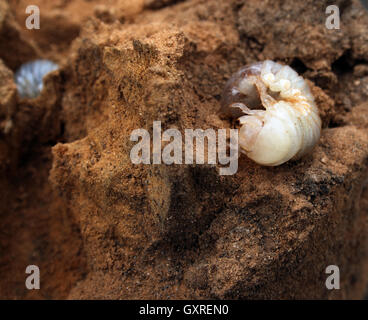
x,y
276,110
29,77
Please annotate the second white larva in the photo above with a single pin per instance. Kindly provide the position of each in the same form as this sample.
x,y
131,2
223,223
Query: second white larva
x,y
276,109
29,77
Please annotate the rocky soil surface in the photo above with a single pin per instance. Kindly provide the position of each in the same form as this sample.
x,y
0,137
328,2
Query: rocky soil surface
x,y
98,226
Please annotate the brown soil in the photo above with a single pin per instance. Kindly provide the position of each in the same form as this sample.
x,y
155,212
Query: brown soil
x,y
100,227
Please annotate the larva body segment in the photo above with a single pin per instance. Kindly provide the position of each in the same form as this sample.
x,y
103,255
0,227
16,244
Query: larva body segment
x,y
276,109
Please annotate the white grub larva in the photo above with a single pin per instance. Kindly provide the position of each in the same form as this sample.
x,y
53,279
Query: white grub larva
x,y
276,110
29,77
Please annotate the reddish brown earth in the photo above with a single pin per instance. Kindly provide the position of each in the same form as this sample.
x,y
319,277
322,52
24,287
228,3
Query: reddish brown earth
x,y
100,227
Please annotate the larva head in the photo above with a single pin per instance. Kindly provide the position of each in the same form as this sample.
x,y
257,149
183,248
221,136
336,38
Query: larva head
x,y
280,119
240,89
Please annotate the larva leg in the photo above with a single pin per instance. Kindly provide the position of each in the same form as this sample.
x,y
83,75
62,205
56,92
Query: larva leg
x,y
243,108
257,114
